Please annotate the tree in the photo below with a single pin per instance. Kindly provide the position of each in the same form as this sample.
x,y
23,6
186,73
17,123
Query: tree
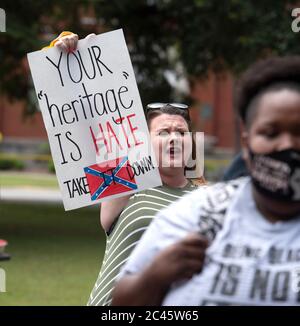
x,y
28,25
203,35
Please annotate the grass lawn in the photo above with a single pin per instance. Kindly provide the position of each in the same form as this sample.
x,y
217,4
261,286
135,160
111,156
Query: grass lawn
x,y
56,255
20,179
25,179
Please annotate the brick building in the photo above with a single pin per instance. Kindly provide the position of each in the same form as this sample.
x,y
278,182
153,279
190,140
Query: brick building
x,y
212,113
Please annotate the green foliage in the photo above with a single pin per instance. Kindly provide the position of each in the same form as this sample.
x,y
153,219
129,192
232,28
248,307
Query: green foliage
x,y
11,164
203,34
51,167
214,169
29,24
44,148
232,34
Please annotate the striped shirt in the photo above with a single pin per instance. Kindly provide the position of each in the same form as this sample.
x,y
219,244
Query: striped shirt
x,y
131,224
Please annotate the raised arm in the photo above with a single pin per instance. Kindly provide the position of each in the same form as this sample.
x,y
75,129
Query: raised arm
x,y
110,210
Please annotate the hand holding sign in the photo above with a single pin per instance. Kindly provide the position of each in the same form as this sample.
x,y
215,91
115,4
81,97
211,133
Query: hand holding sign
x,y
68,43
94,119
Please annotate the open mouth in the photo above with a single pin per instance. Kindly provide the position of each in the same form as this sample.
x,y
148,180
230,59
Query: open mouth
x,y
174,151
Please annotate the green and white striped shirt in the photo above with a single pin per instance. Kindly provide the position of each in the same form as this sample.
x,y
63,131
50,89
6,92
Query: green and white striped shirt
x,y
130,226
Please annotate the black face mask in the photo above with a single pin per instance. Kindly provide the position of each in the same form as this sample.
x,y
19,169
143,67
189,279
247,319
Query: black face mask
x,y
277,174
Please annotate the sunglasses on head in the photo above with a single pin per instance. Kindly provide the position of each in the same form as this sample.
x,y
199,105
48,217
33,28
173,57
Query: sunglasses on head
x,y
157,106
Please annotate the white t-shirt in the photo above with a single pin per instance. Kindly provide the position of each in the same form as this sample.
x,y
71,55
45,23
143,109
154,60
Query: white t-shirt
x,y
250,261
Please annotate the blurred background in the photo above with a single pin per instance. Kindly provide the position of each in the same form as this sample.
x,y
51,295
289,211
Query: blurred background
x,y
182,50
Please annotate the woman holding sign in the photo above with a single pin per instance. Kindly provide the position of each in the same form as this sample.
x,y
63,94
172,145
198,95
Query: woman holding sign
x,y
167,126
253,222
125,219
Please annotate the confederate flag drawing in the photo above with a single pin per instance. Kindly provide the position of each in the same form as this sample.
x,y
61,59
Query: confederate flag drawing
x,y
110,178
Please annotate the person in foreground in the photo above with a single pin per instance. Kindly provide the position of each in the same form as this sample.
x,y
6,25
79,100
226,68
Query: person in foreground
x,y
125,219
253,223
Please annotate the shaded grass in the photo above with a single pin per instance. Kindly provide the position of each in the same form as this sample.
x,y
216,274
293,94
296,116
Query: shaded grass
x,y
28,179
56,255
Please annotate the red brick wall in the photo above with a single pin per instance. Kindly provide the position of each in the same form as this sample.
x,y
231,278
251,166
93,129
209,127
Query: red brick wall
x,y
13,123
213,111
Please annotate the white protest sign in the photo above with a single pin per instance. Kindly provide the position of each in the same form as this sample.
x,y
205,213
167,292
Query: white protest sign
x,y
95,121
